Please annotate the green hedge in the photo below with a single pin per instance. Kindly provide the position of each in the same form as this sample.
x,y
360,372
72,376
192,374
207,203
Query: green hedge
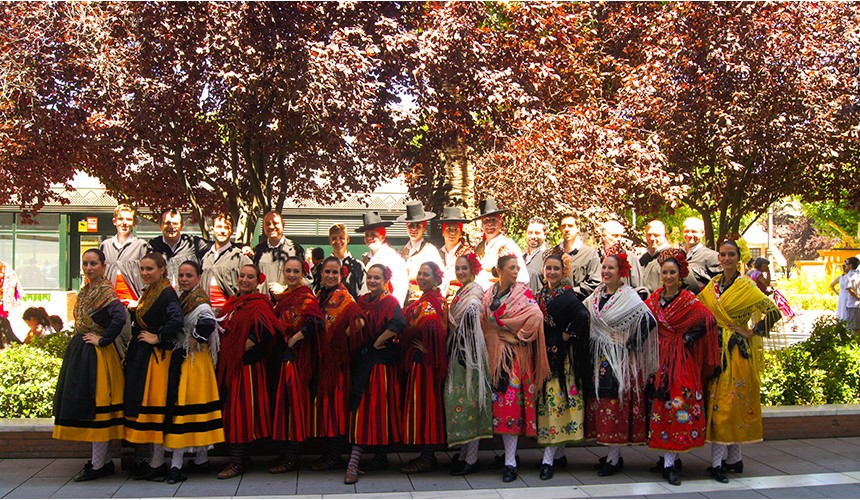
x,y
54,344
824,369
28,379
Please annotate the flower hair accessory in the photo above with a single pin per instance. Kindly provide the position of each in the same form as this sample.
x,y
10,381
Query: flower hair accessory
x,y
439,274
474,263
623,265
678,255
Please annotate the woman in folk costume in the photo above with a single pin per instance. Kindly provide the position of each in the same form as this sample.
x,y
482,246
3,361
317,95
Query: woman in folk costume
x,y
329,417
157,321
303,323
513,328
193,400
374,399
426,363
250,326
88,401
468,393
734,404
561,409
624,353
689,358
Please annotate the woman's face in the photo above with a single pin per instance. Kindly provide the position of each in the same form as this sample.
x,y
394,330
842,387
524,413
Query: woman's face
x,y
375,280
293,273
463,271
553,272
670,274
150,272
426,278
729,257
508,273
187,277
93,268
609,272
248,280
331,274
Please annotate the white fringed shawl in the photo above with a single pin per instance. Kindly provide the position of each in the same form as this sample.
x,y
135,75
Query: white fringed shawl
x,y
611,328
187,340
466,339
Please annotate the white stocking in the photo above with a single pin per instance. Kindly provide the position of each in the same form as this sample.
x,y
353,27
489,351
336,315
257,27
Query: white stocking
x,y
718,451
157,458
734,454
549,455
101,454
669,459
614,455
470,452
559,452
510,442
202,455
176,458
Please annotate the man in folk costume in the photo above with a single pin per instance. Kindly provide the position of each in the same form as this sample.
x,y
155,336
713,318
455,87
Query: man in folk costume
x,y
418,250
613,241
339,241
494,244
10,297
533,257
452,220
175,246
584,262
271,254
123,253
373,228
704,262
655,238
222,263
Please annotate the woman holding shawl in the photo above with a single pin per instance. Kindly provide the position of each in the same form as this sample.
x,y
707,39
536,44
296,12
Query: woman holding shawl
x,y
250,325
689,357
560,409
624,353
374,400
193,400
157,321
734,404
88,401
426,363
303,323
468,394
513,328
329,416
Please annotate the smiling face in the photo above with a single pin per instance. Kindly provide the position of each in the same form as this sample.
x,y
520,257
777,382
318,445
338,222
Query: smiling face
x,y
93,268
331,274
293,273
655,235
729,258
248,280
150,272
338,241
535,235
124,222
463,271
171,226
221,231
273,226
187,277
609,272
553,272
415,230
373,240
375,280
491,225
452,233
670,275
426,278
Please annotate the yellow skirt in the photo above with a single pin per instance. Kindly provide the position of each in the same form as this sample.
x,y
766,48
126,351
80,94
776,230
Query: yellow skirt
x,y
560,413
148,426
734,403
197,413
108,423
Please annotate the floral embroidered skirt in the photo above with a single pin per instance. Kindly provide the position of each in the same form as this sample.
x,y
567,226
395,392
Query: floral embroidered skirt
x,y
465,419
678,424
514,409
734,403
560,413
613,422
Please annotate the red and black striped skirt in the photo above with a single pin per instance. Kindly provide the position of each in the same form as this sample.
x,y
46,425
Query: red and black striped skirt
x,y
292,420
247,409
424,412
377,419
330,415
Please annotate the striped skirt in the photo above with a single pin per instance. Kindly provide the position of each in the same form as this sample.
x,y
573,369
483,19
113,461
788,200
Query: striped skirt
x,y
108,422
424,412
329,414
376,421
292,420
196,417
247,410
148,425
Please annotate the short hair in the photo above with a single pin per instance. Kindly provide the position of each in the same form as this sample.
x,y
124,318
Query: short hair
x,y
198,269
125,207
538,220
337,228
854,262
223,218
610,225
273,212
760,261
655,222
570,215
101,255
170,211
317,253
56,322
694,222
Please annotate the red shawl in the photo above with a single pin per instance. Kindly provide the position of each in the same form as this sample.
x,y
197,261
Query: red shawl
x,y
246,314
427,322
340,312
682,314
295,308
376,314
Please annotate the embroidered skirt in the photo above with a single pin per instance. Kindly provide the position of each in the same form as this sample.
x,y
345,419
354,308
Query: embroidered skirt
x,y
465,418
734,403
514,409
560,413
613,422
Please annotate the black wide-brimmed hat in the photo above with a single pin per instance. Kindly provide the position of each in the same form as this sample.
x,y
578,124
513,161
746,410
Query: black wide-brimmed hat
x,y
453,214
489,207
415,213
372,220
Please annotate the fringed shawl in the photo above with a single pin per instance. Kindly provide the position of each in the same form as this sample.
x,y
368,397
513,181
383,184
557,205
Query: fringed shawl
x,y
245,316
295,309
427,322
93,296
341,312
681,315
195,306
466,342
520,314
618,321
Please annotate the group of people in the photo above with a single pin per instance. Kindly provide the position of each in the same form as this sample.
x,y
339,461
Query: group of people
x,y
423,347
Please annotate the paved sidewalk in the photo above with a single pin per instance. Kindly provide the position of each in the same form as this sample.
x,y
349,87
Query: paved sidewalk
x,y
814,468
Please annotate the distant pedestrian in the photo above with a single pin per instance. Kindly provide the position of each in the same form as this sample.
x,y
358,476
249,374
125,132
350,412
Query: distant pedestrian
x,y
848,305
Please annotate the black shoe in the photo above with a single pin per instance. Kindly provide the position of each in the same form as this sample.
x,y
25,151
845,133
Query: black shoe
x,y
499,462
558,463
546,471
600,462
737,467
509,475
464,469
175,475
607,469
679,466
719,474
157,474
142,471
671,475
88,473
193,468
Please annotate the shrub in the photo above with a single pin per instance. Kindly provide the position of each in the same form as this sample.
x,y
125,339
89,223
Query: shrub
x,y
790,378
28,379
54,344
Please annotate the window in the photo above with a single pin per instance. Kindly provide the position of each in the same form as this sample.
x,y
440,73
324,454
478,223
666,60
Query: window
x,y
37,260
